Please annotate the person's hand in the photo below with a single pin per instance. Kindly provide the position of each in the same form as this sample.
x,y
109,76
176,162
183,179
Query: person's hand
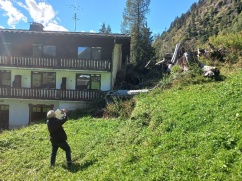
x,y
63,111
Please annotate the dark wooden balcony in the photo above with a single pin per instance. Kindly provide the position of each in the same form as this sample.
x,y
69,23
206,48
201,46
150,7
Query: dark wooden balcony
x,y
50,94
55,63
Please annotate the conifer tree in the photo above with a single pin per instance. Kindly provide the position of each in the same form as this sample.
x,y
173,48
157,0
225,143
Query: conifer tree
x,y
104,29
134,23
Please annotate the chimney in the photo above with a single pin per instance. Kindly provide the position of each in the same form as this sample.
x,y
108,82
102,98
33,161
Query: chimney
x,y
36,27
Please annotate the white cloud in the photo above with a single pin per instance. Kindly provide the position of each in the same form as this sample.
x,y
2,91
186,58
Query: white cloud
x,y
91,31
54,27
39,12
13,14
45,14
1,27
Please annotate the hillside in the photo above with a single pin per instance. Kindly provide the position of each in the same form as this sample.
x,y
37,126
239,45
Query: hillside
x,y
204,19
191,132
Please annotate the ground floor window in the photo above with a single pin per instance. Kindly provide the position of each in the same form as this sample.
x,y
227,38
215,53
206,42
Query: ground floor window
x,y
38,112
4,117
88,81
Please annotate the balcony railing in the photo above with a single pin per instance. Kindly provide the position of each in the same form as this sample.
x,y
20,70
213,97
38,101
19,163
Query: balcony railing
x,y
55,63
50,94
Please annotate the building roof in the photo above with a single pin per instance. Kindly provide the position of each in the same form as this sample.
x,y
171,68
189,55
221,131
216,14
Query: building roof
x,y
67,33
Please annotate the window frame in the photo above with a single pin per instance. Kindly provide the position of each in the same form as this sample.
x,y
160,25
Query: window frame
x,y
43,83
40,50
90,80
37,112
6,49
89,53
3,80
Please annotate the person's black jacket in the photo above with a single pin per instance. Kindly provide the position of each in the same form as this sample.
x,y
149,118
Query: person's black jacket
x,y
57,133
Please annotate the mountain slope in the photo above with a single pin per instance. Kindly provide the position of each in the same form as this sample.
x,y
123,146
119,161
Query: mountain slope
x,y
203,20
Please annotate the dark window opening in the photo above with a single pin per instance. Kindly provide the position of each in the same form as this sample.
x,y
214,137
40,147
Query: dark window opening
x,y
88,81
38,112
89,53
5,78
48,51
5,50
37,50
43,80
17,81
4,117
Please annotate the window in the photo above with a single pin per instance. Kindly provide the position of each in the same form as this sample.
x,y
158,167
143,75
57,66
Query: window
x,y
89,52
5,50
4,116
43,80
5,78
38,112
44,50
87,81
96,53
37,50
49,51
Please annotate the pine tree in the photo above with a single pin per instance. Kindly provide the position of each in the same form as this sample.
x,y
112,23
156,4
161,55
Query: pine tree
x,y
134,23
108,30
104,29
147,51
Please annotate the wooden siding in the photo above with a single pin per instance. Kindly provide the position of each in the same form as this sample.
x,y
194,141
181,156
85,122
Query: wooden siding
x,y
55,63
50,94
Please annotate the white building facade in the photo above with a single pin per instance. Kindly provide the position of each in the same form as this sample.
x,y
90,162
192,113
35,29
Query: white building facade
x,y
42,70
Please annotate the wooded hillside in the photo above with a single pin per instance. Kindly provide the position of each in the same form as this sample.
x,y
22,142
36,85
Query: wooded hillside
x,y
204,19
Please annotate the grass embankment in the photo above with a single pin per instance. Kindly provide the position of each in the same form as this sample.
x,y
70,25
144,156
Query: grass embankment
x,y
184,133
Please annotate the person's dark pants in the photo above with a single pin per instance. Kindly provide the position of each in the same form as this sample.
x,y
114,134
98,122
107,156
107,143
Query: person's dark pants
x,y
64,146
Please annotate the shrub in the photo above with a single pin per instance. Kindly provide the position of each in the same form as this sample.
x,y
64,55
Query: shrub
x,y
232,42
119,108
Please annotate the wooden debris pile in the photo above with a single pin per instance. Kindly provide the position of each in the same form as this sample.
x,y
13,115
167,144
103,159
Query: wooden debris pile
x,y
183,58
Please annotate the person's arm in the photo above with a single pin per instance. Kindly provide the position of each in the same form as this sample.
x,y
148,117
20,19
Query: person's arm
x,y
63,119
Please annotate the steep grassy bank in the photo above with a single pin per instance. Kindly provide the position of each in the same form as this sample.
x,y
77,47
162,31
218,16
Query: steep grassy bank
x,y
185,133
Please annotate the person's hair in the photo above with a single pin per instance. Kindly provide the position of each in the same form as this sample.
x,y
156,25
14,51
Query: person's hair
x,y
51,114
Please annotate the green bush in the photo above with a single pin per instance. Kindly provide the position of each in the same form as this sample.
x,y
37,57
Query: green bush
x,y
121,108
232,42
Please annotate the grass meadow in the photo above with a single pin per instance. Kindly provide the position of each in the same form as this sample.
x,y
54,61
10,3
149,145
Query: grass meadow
x,y
191,132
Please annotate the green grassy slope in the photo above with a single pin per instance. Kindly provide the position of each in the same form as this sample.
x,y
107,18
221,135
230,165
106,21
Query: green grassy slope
x,y
189,133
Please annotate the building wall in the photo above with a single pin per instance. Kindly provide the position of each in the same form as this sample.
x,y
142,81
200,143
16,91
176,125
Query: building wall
x,y
18,113
19,109
70,75
117,61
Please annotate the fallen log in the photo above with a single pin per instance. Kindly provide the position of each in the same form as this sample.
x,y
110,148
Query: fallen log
x,y
184,61
122,94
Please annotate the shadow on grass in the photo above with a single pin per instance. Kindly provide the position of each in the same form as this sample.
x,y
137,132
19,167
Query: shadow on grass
x,y
220,78
75,167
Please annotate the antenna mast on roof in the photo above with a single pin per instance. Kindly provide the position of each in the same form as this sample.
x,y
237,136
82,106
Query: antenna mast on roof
x,y
75,18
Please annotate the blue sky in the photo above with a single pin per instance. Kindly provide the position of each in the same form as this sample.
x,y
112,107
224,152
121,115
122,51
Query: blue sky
x,y
57,15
